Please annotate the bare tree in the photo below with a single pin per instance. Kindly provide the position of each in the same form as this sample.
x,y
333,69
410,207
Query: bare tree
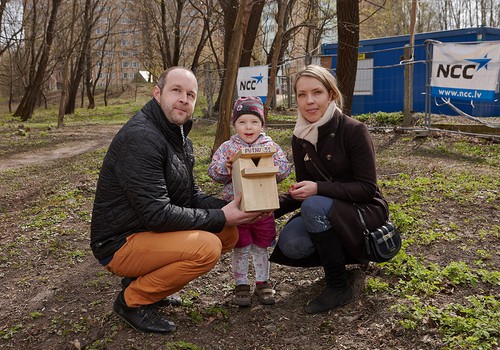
x,y
10,26
392,17
66,49
3,5
288,33
235,46
10,43
273,71
33,90
230,11
251,34
101,49
212,17
173,35
208,55
320,15
205,12
87,24
348,29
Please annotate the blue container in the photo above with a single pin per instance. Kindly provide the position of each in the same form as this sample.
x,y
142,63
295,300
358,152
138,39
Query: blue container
x,y
386,92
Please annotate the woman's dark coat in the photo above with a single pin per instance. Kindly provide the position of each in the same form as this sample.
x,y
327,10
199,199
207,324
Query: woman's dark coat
x,y
346,157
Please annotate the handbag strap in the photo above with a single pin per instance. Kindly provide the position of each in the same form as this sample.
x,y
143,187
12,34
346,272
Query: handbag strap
x,y
321,172
362,219
327,179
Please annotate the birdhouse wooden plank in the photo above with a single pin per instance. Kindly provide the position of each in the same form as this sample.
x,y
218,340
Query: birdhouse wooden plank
x,y
254,176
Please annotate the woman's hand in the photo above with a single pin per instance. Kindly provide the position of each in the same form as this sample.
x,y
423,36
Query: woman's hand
x,y
303,189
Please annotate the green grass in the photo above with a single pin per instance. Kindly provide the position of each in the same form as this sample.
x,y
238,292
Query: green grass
x,y
414,283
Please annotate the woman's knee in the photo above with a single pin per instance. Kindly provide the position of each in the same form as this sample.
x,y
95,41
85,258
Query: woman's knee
x,y
294,241
297,247
316,205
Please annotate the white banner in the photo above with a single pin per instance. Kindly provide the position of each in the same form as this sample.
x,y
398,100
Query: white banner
x,y
465,71
252,81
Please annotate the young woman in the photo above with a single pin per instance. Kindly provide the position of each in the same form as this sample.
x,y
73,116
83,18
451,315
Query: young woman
x,y
334,163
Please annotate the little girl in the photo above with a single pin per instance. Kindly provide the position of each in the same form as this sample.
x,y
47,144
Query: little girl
x,y
248,120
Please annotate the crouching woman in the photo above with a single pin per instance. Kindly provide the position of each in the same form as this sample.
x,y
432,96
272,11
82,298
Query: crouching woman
x,y
335,169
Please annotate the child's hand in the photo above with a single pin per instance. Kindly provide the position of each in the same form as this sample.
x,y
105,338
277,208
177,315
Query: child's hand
x,y
228,164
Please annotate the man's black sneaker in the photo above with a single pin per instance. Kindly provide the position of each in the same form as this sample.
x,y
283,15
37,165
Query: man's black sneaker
x,y
171,300
144,318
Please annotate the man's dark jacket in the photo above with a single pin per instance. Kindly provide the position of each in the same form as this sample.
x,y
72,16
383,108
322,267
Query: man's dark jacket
x,y
146,183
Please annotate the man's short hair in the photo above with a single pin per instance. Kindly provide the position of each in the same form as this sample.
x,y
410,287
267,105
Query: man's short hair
x,y
162,80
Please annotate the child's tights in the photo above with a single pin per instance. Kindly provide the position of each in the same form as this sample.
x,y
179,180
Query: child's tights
x,y
260,258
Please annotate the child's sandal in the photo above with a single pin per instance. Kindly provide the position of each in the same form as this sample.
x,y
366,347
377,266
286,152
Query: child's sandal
x,y
242,295
265,293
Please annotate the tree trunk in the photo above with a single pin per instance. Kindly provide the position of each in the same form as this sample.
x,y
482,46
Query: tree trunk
x,y
251,35
164,42
33,90
230,10
287,34
82,59
348,29
88,83
273,71
237,39
64,93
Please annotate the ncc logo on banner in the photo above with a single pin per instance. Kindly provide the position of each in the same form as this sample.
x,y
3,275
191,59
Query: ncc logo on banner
x,y
252,81
465,71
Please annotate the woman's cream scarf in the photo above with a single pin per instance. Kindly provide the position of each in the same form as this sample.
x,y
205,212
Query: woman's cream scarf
x,y
309,131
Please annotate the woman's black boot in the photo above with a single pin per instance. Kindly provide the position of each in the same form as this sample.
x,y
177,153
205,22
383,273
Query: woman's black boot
x,y
337,292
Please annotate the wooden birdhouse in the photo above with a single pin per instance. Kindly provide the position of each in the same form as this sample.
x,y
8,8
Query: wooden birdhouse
x,y
254,176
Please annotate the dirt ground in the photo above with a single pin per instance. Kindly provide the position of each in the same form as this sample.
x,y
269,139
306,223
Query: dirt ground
x,y
54,295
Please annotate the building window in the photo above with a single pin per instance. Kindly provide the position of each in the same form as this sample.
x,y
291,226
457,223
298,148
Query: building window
x,y
134,64
364,77
124,64
125,75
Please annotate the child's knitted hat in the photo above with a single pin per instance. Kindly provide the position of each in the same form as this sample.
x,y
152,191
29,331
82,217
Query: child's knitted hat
x,y
248,105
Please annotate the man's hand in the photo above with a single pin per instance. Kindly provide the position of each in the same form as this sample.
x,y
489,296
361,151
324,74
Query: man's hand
x,y
235,216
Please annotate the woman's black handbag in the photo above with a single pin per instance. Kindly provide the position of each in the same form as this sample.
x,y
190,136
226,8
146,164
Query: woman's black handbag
x,y
383,243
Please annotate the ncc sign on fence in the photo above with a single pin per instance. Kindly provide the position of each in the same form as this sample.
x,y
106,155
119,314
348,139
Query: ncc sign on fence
x,y
465,71
252,81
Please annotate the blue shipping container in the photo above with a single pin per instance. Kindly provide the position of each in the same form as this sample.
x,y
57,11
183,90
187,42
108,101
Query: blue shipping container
x,y
380,80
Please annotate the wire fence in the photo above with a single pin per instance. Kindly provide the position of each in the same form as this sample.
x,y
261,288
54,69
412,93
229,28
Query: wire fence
x,y
380,86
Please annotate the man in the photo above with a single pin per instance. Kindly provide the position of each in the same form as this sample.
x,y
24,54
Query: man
x,y
150,222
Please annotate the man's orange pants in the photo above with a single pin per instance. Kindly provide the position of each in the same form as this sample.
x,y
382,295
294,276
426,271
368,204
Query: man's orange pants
x,y
165,262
